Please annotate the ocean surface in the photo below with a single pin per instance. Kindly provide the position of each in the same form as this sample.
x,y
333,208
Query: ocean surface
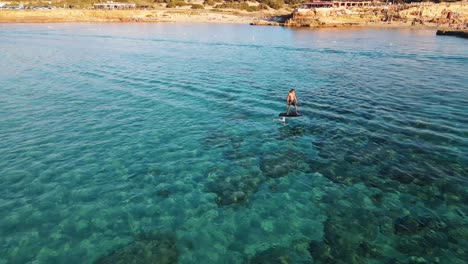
x,y
161,143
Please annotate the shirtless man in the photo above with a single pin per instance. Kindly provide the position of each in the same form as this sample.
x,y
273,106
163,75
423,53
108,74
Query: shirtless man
x,y
292,100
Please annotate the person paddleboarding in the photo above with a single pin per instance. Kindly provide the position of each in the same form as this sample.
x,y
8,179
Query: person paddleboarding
x,y
292,100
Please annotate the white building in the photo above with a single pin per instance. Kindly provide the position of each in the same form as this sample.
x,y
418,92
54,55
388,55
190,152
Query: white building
x,y
112,5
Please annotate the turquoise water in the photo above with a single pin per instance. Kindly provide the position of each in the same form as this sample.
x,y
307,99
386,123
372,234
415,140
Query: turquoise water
x,y
160,142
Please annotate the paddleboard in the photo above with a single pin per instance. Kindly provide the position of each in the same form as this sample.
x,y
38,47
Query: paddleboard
x,y
290,115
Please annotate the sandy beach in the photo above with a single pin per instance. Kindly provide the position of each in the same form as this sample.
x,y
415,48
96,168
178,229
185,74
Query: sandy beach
x,y
163,15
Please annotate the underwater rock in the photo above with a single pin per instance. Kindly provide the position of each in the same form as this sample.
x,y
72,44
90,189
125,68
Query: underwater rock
x,y
271,256
154,171
364,249
280,160
340,247
339,173
352,158
276,167
291,131
457,234
348,241
215,139
231,197
267,226
326,154
234,151
320,252
377,198
333,249
400,176
436,239
417,260
410,245
273,187
230,143
163,193
319,143
407,225
155,249
424,236
235,189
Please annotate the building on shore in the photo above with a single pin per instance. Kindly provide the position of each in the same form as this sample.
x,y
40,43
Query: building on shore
x,y
114,5
317,4
332,4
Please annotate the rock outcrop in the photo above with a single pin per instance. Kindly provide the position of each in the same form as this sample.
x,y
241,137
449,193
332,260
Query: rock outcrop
x,y
452,32
428,14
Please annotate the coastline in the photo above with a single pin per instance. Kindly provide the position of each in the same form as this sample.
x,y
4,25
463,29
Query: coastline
x,y
179,16
90,16
344,25
407,17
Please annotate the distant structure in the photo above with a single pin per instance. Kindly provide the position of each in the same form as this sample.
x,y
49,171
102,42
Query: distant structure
x,y
114,5
10,5
331,4
317,4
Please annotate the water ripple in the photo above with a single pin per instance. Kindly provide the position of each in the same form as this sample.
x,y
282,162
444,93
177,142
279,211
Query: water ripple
x,y
121,129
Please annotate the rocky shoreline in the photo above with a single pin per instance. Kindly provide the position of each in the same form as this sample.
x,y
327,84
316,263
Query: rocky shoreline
x,y
452,32
411,15
453,15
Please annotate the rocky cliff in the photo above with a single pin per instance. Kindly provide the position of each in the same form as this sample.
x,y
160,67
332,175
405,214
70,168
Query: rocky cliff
x,y
452,15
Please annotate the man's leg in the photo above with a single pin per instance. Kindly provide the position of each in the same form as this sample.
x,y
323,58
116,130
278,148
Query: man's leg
x,y
287,112
295,108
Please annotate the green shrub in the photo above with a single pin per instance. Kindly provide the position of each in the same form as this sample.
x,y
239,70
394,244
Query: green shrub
x,y
209,2
197,6
262,6
275,4
251,8
225,5
240,6
293,2
175,4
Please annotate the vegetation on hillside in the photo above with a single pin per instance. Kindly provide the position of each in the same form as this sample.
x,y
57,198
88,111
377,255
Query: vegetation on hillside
x,y
242,6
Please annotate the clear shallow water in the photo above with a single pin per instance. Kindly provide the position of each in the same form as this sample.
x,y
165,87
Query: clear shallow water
x,y
116,137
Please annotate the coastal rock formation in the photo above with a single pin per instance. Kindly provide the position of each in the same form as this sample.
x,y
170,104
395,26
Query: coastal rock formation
x,y
451,32
410,14
309,19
